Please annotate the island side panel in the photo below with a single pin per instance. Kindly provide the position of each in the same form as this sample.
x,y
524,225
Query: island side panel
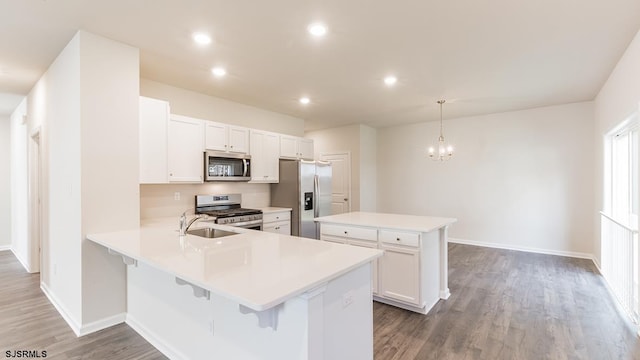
x,y
431,269
185,327
444,263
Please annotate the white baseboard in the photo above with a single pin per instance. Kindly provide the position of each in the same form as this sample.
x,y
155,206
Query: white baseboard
x,y
102,324
24,264
155,340
572,254
597,264
5,247
81,330
73,324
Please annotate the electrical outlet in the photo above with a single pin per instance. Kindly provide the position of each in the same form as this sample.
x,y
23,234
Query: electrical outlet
x,y
176,196
347,299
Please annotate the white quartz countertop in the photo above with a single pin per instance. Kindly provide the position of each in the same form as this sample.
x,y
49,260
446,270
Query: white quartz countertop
x,y
389,221
272,209
256,269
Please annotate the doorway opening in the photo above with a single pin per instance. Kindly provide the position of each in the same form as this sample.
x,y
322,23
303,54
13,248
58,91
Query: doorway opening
x,y
35,201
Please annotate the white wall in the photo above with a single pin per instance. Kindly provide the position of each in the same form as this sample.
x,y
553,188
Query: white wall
x,y
5,183
519,179
86,107
109,166
158,201
360,142
193,104
618,98
54,105
19,181
368,168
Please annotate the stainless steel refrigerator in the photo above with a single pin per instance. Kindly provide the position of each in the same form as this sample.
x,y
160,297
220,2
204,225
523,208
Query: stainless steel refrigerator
x,y
305,187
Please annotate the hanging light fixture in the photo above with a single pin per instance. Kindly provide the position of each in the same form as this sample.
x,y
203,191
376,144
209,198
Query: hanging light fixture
x,y
444,152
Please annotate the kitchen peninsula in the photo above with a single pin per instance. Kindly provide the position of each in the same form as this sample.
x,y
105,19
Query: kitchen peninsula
x,y
249,295
412,273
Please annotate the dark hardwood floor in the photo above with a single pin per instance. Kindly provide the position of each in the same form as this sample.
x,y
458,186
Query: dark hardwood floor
x,y
511,305
504,305
29,322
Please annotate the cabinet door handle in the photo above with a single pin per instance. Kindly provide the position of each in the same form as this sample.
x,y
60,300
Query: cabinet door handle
x,y
277,217
277,227
397,239
232,146
225,146
345,233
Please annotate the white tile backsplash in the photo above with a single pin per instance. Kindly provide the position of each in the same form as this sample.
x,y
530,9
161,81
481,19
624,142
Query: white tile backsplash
x,y
157,201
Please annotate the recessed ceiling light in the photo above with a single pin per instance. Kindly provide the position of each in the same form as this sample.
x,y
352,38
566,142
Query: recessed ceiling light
x,y
219,71
390,80
202,38
304,100
317,29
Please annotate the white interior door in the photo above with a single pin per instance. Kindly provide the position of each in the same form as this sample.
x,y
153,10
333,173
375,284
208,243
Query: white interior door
x,y
340,181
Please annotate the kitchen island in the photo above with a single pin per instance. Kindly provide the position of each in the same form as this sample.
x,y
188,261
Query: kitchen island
x,y
249,295
413,272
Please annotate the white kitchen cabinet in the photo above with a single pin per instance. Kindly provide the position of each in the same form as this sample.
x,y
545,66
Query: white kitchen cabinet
x,y
226,138
305,148
265,154
334,239
407,274
355,236
399,269
153,120
278,222
185,149
374,263
292,147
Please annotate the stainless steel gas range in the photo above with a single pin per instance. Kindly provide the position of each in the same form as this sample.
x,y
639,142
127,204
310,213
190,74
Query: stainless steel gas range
x,y
227,210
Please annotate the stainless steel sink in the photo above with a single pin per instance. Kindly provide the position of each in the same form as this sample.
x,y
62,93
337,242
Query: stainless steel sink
x,y
210,233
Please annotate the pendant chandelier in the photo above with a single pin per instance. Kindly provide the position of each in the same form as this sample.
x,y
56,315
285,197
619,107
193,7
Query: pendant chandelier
x,y
442,152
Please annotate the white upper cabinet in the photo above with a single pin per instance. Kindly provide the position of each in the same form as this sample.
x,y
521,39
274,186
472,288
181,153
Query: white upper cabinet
x,y
265,154
185,149
228,138
154,117
292,147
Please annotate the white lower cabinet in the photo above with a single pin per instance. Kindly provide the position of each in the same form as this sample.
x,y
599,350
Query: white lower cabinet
x,y
334,239
277,222
374,264
400,274
397,274
355,236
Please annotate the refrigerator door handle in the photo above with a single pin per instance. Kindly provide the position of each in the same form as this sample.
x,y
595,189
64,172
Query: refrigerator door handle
x,y
316,189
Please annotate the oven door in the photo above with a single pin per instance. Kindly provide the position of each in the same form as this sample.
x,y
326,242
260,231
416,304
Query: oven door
x,y
253,224
227,167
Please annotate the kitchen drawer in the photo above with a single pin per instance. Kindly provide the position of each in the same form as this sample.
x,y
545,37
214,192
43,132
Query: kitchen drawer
x,y
400,237
350,232
281,227
276,216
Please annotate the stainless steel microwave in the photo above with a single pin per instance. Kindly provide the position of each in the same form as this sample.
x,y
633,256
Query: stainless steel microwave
x,y
220,166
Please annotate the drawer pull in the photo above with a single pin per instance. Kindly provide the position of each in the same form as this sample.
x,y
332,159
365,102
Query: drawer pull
x,y
345,233
277,217
277,227
397,239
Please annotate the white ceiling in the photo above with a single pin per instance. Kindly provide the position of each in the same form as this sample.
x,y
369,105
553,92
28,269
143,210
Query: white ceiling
x,y
492,56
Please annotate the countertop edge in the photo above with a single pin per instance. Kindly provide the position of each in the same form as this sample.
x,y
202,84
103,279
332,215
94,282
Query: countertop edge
x,y
95,238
